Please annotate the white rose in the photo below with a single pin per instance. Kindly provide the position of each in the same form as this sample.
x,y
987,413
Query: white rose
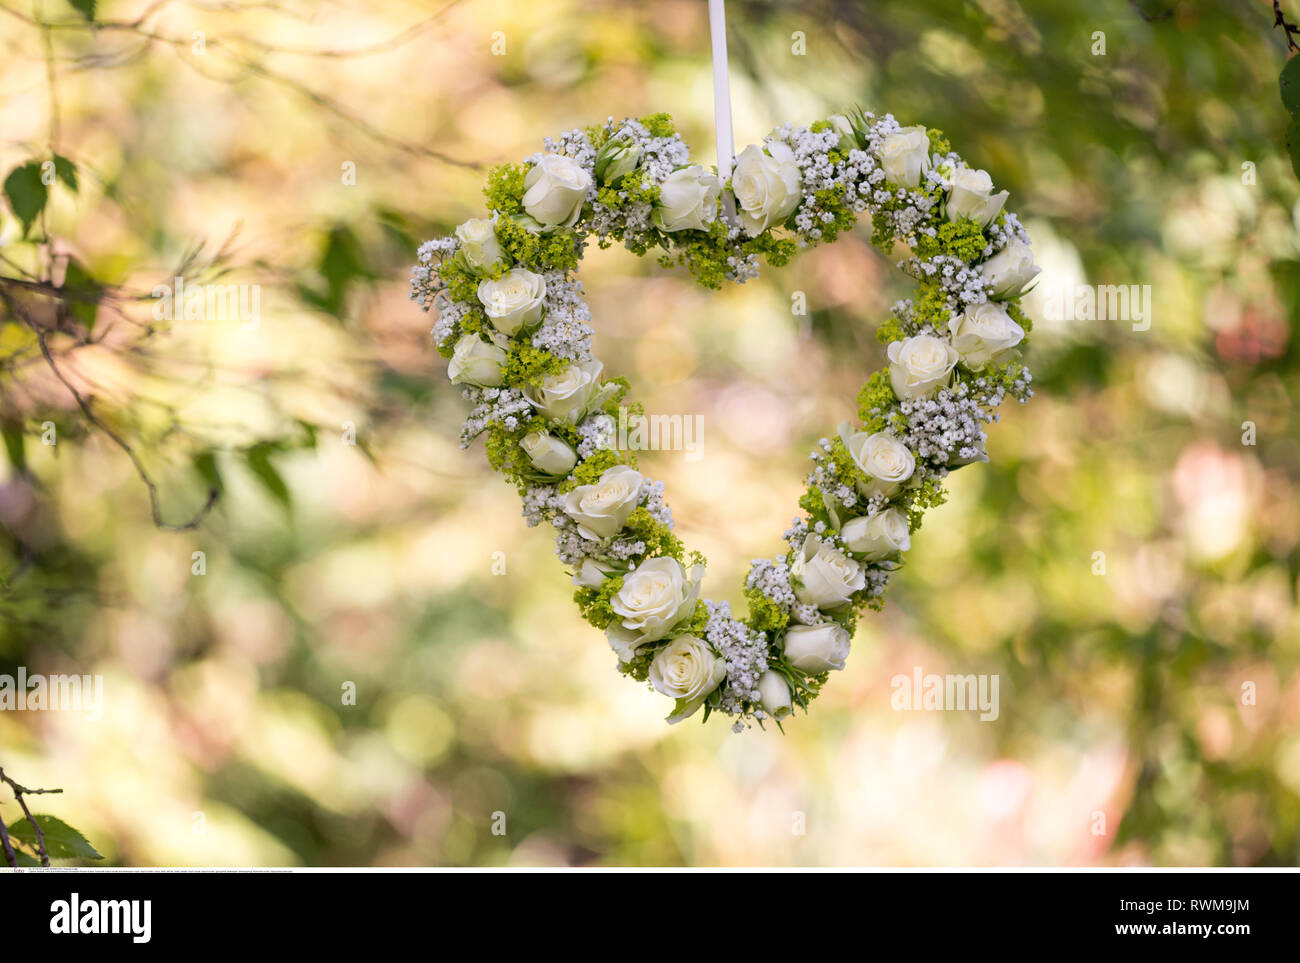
x,y
983,331
824,576
766,186
478,241
601,510
688,200
885,460
972,196
548,453
555,189
616,159
514,301
1008,271
774,694
655,597
529,224
817,648
878,535
687,670
905,156
591,574
566,396
848,136
476,362
920,364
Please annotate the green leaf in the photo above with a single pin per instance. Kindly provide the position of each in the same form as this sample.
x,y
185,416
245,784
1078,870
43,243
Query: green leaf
x,y
1289,84
24,860
398,228
1153,11
205,463
83,293
84,7
309,434
13,435
1286,282
364,447
1293,142
27,193
341,263
66,171
61,840
259,460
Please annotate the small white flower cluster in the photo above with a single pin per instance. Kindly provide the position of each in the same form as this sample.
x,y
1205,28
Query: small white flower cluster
x,y
518,337
745,653
571,143
656,159
572,547
797,533
771,578
450,314
492,406
652,499
818,173
541,504
1005,233
742,267
597,433
962,283
565,331
825,475
948,429
425,283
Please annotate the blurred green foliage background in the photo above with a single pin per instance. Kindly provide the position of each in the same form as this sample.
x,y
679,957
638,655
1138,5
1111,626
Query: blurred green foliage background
x,y
1150,714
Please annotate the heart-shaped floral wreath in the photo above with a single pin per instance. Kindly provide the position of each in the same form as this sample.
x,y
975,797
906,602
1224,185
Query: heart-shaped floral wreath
x,y
513,323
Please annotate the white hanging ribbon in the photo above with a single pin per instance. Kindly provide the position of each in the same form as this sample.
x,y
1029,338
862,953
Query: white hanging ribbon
x,y
721,87
722,101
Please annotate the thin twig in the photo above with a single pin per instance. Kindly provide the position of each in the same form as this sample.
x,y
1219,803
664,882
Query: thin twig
x,y
369,50
10,856
1290,29
322,101
20,791
229,43
117,439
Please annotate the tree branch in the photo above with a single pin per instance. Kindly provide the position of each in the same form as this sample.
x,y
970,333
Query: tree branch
x,y
229,44
84,404
1290,29
19,791
10,856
